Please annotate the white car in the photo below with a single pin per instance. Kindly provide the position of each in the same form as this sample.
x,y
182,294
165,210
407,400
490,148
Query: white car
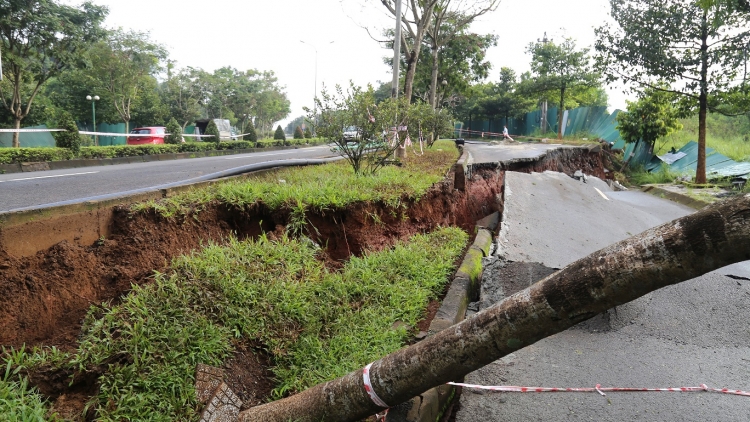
x,y
351,133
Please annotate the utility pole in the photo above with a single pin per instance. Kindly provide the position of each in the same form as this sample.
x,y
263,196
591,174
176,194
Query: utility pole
x,y
396,51
543,124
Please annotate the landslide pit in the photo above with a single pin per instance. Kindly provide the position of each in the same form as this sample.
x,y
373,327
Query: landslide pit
x,y
44,297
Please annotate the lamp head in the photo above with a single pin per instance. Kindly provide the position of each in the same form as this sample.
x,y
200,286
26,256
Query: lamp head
x,y
88,97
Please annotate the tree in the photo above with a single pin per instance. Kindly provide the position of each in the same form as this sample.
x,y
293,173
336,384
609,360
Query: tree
x,y
561,69
124,66
298,134
181,94
462,63
299,121
375,123
279,134
700,52
450,19
213,133
174,131
308,133
713,237
651,117
40,39
250,134
504,100
415,20
69,138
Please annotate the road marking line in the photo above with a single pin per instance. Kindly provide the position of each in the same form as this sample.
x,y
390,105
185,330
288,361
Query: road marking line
x,y
48,177
600,193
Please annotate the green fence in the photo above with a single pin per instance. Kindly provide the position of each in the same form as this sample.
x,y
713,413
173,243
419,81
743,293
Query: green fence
x,y
593,121
28,139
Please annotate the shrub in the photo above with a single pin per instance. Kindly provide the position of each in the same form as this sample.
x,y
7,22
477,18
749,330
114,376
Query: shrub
x,y
213,133
30,155
298,133
279,134
250,133
308,133
175,132
69,139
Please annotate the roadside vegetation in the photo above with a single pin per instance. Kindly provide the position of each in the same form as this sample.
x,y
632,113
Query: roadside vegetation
x,y
325,187
315,324
25,155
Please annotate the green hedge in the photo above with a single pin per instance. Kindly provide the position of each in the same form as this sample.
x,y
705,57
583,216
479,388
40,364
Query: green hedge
x,y
29,155
26,155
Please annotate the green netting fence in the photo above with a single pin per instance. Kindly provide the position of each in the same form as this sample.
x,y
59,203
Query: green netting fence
x,y
595,122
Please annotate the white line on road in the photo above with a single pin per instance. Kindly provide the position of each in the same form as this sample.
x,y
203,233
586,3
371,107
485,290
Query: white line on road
x,y
600,193
47,177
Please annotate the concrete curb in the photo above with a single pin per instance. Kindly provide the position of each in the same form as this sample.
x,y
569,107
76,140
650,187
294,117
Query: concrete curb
x,y
89,162
656,190
431,405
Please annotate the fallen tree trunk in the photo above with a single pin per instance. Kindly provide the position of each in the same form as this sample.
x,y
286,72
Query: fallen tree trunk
x,y
685,248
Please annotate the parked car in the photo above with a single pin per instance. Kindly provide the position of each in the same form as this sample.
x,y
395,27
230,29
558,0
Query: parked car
x,y
155,131
351,134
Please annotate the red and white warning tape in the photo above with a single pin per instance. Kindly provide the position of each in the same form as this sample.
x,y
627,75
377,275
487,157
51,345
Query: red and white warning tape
x,y
599,389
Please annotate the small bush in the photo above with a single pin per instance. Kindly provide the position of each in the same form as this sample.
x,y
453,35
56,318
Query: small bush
x,y
308,133
213,133
279,134
250,133
175,132
298,133
70,139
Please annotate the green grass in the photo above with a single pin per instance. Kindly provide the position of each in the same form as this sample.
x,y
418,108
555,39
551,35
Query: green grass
x,y
728,136
18,401
330,186
316,324
639,176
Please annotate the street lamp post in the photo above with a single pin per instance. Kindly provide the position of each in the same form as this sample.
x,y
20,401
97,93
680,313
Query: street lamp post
x,y
93,100
315,93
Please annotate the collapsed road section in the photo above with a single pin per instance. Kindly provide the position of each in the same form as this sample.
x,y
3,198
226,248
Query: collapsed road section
x,y
46,290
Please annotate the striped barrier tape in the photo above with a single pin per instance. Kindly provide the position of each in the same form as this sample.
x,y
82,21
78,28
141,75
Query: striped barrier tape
x,y
30,130
599,389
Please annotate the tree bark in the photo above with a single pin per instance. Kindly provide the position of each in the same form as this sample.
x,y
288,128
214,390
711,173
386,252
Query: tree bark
x,y
700,170
434,76
17,135
561,113
685,248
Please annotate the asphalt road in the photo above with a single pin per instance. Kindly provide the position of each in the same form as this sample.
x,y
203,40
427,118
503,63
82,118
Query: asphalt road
x,y
683,335
22,190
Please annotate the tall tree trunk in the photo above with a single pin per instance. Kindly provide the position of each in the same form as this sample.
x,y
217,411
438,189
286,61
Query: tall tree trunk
x,y
700,171
411,69
434,77
17,135
712,238
561,113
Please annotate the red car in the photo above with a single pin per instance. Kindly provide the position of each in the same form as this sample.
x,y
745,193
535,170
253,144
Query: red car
x,y
156,135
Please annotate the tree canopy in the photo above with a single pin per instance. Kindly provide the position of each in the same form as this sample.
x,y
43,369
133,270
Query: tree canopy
x,y
41,39
650,118
559,70
699,48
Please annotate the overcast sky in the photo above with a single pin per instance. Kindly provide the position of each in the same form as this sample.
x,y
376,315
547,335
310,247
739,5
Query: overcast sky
x,y
267,35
